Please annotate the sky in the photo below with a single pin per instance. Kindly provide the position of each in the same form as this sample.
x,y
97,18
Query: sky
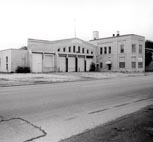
x,y
59,19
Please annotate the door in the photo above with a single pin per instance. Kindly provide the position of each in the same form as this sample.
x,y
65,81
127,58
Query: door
x,y
71,64
36,62
81,64
62,64
49,63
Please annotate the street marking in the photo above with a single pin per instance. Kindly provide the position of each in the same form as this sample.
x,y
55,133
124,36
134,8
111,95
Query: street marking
x,y
97,111
121,105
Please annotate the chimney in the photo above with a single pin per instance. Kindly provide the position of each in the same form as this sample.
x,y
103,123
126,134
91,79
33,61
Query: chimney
x,y
95,35
118,33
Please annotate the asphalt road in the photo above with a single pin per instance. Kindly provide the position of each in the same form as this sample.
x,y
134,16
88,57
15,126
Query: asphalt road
x,y
47,105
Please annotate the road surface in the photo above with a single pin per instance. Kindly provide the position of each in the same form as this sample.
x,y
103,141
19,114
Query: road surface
x,y
65,109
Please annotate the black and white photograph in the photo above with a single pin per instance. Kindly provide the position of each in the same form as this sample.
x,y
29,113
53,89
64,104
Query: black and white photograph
x,y
76,70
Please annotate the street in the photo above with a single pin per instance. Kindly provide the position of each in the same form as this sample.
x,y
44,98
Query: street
x,y
65,109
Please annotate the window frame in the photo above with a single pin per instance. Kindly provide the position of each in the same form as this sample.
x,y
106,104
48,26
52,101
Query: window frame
x,y
122,65
122,48
134,50
105,50
109,50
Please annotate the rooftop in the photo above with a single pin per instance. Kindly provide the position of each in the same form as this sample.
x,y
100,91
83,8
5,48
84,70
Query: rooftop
x,y
117,37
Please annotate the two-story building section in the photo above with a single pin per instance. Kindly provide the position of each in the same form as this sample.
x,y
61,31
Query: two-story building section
x,y
120,52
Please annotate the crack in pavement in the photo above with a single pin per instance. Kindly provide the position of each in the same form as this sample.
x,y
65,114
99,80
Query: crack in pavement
x,y
44,133
143,99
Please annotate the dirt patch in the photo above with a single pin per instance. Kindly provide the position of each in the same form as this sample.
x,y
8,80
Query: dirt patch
x,y
135,127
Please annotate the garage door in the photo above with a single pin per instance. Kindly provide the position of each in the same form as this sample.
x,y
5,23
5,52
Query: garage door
x,y
49,63
88,63
62,64
81,64
71,64
36,62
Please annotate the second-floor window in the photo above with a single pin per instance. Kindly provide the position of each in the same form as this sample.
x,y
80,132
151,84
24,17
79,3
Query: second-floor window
x,y
82,50
74,49
78,49
101,50
133,48
64,49
69,48
105,50
140,49
121,48
109,49
87,51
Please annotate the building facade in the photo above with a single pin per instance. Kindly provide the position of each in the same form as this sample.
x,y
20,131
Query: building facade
x,y
68,55
116,53
10,59
120,53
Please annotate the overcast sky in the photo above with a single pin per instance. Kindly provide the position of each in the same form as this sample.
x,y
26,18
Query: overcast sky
x,y
55,19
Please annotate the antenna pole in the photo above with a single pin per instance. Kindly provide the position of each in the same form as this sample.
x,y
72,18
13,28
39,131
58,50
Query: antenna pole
x,y
74,27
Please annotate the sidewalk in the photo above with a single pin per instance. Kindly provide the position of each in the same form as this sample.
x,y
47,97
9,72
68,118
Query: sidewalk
x,y
27,79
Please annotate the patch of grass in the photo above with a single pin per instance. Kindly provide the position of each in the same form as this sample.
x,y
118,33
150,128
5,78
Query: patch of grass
x,y
135,127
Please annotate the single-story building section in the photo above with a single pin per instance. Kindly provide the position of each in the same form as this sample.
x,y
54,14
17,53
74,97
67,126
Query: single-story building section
x,y
10,59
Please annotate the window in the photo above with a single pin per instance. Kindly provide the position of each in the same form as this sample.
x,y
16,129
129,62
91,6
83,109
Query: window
x,y
121,64
133,48
69,48
82,50
101,50
133,62
64,49
109,49
87,51
6,59
91,52
58,50
140,49
101,65
74,49
140,64
133,65
6,62
78,49
121,48
105,50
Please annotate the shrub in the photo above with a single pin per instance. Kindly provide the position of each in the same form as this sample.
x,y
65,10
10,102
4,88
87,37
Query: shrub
x,y
92,67
23,69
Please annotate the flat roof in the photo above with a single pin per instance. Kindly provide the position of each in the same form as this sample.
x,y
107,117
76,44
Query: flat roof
x,y
117,37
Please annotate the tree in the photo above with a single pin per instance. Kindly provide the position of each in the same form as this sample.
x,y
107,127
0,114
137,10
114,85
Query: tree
x,y
148,57
148,53
92,67
149,44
